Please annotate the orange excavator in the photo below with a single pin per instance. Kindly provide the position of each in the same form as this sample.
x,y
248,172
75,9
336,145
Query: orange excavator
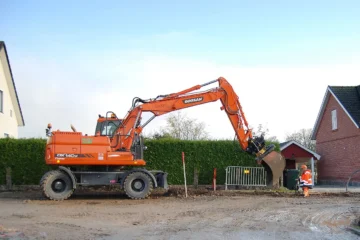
x,y
114,154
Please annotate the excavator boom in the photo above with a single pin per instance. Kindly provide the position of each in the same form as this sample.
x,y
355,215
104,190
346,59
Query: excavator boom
x,y
124,135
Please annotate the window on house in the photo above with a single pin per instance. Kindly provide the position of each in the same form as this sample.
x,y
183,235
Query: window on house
x,y
333,119
6,135
1,101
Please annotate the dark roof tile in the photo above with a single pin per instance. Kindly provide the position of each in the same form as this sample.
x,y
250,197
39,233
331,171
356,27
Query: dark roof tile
x,y
349,96
284,143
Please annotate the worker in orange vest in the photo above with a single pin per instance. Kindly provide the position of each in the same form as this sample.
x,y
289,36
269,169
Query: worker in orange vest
x,y
306,180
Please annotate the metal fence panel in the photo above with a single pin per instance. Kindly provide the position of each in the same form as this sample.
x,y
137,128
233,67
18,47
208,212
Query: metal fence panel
x,y
245,176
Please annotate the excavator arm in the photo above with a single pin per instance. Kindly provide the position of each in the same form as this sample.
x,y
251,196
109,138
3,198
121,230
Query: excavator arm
x,y
126,132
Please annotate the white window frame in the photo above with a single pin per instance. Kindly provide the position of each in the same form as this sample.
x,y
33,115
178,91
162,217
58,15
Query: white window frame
x,y
334,125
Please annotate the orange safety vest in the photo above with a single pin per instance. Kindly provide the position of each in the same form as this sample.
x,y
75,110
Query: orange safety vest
x,y
306,179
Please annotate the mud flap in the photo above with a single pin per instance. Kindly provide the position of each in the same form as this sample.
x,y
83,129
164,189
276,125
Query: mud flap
x,y
274,164
161,179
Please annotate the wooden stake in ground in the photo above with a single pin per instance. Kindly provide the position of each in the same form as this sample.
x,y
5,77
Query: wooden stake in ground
x,y
183,160
214,180
8,179
196,177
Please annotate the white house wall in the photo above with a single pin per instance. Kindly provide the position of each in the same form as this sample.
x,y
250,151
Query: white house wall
x,y
8,124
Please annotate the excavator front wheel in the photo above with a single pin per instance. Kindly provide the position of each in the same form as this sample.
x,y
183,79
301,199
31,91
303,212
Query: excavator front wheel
x,y
138,185
56,185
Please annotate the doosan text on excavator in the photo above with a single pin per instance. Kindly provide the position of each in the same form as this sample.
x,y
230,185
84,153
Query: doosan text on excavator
x,y
100,159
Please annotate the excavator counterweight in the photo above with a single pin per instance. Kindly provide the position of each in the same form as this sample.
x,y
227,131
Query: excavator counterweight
x,y
100,159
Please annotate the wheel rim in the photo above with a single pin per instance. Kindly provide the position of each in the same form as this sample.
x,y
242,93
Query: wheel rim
x,y
138,185
58,185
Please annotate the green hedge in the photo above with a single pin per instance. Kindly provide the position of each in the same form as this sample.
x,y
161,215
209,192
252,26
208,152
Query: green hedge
x,y
205,155
26,159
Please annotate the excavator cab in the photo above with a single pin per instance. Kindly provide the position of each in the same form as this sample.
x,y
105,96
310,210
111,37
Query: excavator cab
x,y
106,126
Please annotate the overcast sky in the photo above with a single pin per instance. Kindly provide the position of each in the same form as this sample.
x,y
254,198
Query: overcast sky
x,y
72,61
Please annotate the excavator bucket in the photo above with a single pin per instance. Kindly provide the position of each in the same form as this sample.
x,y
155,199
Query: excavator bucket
x,y
274,164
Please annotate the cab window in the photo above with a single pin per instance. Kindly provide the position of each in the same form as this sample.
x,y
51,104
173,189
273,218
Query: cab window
x,y
107,128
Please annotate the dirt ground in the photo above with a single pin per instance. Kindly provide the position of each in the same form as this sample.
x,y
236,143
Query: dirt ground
x,y
168,215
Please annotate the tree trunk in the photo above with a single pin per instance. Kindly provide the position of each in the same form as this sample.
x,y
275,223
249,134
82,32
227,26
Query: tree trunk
x,y
8,178
196,177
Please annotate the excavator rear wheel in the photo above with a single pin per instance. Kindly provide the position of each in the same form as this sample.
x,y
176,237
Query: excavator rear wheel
x,y
138,185
56,185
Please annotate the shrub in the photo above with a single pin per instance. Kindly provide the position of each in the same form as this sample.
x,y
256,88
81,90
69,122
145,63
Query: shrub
x,y
26,159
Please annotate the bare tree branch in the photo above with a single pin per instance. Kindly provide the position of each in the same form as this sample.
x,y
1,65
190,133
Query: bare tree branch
x,y
302,136
179,126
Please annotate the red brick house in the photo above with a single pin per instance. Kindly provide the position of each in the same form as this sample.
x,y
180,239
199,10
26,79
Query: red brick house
x,y
337,135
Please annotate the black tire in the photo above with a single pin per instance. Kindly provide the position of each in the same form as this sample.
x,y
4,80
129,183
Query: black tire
x,y
56,185
138,185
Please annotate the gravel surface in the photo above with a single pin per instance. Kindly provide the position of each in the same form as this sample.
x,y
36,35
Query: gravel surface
x,y
203,215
